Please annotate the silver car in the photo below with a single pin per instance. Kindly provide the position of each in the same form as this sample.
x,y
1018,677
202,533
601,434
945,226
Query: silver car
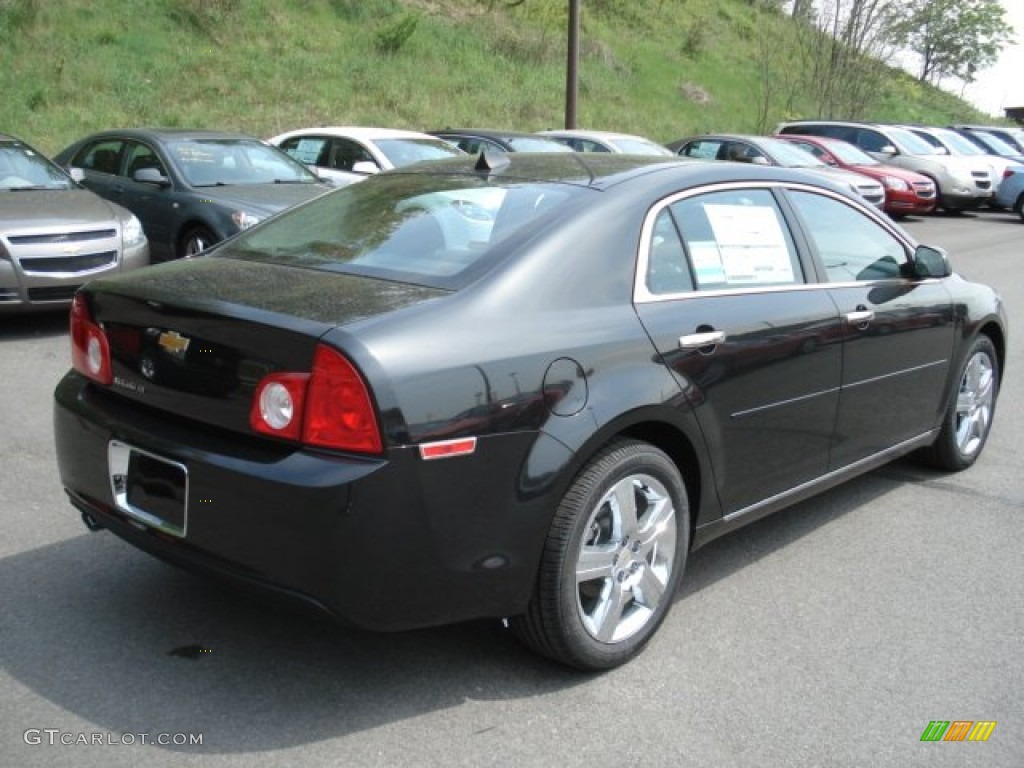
x,y
963,183
54,234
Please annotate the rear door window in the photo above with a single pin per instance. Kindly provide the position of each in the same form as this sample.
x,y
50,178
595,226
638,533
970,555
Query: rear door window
x,y
721,241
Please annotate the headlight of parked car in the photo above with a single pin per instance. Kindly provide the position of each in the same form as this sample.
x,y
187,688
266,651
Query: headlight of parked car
x,y
244,219
891,182
131,232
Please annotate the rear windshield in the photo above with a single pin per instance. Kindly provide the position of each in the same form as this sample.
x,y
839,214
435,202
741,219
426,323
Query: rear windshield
x,y
441,231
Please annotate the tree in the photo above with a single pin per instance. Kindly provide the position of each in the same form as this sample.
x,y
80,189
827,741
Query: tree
x,y
836,61
954,38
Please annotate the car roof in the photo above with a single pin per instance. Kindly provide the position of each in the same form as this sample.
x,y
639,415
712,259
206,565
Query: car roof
x,y
167,134
584,133
363,132
603,170
749,137
489,133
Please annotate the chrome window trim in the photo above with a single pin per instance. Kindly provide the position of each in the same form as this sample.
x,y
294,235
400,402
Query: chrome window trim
x,y
642,295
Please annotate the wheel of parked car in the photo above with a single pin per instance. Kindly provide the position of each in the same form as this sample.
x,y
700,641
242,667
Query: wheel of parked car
x,y
613,558
195,241
968,417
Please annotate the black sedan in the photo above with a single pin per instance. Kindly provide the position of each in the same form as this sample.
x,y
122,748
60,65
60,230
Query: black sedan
x,y
190,189
522,388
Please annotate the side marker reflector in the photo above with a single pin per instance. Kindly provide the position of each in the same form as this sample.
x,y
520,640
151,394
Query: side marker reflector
x,y
447,448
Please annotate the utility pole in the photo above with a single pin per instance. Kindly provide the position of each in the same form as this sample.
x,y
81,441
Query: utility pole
x,y
572,65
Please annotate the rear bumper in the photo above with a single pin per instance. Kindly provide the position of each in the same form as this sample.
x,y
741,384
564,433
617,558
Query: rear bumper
x,y
387,544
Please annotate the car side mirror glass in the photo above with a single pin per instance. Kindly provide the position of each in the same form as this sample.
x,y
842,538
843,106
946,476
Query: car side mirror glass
x,y
365,167
76,174
930,261
889,149
151,176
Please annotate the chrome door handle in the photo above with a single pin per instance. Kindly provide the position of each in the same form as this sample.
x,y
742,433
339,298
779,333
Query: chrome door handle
x,y
699,340
860,317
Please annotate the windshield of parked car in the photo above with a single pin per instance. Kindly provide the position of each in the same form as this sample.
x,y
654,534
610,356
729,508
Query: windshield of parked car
x,y
959,145
633,146
529,144
222,162
426,229
23,169
789,155
850,154
403,152
995,144
910,143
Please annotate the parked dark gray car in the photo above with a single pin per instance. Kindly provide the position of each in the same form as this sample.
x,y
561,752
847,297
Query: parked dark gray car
x,y
190,188
54,235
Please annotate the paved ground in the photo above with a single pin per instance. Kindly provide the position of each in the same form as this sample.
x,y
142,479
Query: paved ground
x,y
829,634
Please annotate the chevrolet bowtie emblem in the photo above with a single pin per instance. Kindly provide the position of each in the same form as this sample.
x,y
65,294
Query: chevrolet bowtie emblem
x,y
173,342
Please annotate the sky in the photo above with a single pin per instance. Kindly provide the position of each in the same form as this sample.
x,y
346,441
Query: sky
x,y
1003,84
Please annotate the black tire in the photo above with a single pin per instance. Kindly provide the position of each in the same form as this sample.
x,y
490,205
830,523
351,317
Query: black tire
x,y
601,622
968,418
195,241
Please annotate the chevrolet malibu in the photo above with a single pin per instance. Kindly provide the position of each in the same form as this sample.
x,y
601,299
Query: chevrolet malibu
x,y
54,234
517,386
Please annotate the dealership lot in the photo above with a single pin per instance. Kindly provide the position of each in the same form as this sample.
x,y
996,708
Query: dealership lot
x,y
831,633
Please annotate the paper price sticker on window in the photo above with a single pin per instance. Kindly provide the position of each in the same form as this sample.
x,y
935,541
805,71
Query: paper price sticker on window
x,y
751,244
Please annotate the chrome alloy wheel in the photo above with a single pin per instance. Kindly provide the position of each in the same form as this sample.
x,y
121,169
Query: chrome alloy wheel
x,y
974,403
626,558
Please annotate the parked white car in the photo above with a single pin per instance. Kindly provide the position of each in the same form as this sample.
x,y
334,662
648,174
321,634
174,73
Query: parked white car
x,y
342,155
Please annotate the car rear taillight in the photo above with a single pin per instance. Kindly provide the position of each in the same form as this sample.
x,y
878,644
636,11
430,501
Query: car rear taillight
x,y
1007,173
328,408
90,350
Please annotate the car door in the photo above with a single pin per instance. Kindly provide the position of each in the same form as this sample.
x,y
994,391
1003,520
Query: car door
x,y
753,344
897,330
154,203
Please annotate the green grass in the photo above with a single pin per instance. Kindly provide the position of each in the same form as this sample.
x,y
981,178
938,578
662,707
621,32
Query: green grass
x,y
662,68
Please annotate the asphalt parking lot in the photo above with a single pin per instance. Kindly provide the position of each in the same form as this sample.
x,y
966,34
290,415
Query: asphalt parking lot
x,y
829,634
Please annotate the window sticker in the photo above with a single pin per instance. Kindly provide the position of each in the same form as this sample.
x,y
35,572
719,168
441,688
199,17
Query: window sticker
x,y
750,247
307,150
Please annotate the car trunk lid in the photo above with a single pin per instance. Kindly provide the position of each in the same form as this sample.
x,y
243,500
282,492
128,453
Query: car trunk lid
x,y
195,338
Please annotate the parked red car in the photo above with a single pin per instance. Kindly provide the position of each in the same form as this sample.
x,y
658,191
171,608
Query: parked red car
x,y
906,192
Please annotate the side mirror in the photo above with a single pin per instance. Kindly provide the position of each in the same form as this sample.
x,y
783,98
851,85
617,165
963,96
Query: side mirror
x,y
889,149
931,261
151,176
365,167
77,175
758,160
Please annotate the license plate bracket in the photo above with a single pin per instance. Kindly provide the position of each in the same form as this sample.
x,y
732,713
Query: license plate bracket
x,y
149,488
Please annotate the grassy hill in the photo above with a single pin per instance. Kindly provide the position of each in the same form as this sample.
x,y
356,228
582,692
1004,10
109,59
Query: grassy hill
x,y
663,68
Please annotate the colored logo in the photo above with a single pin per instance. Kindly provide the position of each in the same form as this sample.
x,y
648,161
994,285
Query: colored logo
x,y
174,342
958,730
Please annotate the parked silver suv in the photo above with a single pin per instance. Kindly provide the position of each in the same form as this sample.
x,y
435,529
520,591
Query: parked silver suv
x,y
963,183
54,234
